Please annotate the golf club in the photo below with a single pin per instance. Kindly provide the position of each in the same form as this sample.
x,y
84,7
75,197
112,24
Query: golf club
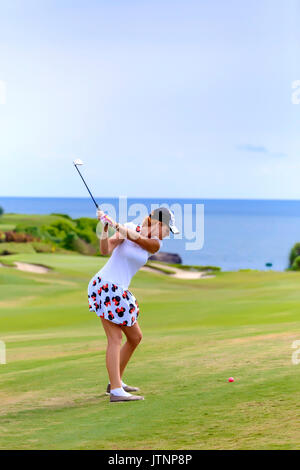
x,y
80,162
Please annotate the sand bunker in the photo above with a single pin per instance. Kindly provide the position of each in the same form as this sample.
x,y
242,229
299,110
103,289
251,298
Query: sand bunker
x,y
31,268
177,272
173,272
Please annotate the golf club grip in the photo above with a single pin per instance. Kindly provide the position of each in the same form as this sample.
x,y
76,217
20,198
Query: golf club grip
x,y
87,187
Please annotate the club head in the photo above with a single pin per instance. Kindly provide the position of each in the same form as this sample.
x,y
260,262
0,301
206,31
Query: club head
x,y
78,162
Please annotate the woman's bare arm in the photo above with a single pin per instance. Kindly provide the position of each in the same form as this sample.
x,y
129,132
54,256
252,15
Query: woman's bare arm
x,y
108,244
151,245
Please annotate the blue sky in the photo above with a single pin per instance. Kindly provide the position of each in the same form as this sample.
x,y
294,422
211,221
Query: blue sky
x,y
159,98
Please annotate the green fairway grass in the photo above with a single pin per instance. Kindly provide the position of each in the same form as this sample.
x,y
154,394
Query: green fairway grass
x,y
197,333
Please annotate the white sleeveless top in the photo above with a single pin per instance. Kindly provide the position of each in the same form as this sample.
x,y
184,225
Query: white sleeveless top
x,y
126,259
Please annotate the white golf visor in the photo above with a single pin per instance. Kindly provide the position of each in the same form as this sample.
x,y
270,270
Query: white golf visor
x,y
165,216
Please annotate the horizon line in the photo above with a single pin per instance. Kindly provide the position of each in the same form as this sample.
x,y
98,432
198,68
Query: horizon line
x,y
154,198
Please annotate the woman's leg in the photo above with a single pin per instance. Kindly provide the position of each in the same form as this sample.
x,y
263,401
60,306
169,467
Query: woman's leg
x,y
114,341
134,337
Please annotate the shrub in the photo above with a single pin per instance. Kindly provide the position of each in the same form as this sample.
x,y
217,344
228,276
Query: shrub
x,y
88,235
296,264
295,252
16,237
52,234
1,211
86,230
86,222
57,232
69,241
76,235
30,230
84,248
63,226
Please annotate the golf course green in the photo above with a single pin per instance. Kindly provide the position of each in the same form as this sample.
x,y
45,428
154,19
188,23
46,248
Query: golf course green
x,y
197,334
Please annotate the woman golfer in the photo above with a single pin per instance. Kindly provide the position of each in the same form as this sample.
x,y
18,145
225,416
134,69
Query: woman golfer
x,y
108,292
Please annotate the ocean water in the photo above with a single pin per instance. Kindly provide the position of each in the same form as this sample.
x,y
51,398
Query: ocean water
x,y
238,234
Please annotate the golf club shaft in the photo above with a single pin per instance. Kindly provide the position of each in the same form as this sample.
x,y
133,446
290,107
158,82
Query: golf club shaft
x,y
87,187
